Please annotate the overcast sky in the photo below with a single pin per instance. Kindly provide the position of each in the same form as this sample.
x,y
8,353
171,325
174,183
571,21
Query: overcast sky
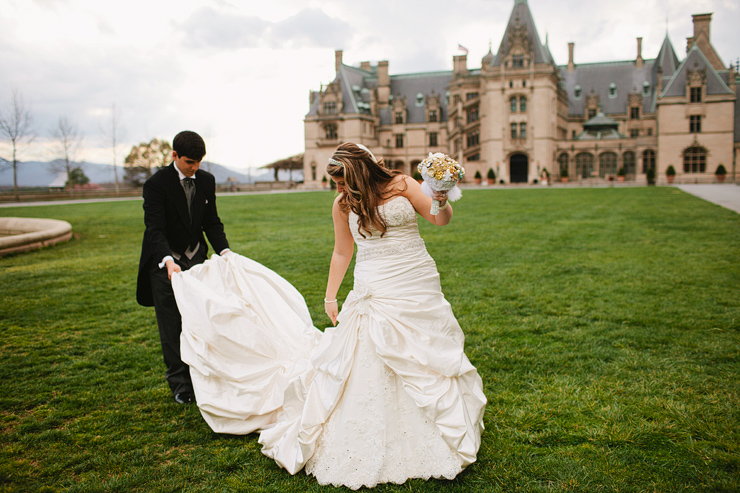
x,y
239,71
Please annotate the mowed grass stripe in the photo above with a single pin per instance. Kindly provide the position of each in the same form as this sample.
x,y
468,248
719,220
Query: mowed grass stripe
x,y
604,322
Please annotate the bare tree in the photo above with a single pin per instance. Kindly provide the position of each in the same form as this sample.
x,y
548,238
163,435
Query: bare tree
x,y
68,141
16,125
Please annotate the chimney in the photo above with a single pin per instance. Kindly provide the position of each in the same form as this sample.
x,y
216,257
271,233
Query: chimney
x,y
337,60
689,43
384,84
571,65
460,64
638,61
701,25
365,66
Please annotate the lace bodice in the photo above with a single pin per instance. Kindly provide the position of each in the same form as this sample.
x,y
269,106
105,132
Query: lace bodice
x,y
401,236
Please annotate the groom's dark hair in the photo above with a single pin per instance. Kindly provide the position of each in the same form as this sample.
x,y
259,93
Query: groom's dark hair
x,y
189,144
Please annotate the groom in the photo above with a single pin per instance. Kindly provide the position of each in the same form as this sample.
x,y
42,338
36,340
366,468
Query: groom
x,y
179,206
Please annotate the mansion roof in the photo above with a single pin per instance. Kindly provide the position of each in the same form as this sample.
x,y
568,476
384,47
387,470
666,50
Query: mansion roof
x,y
613,87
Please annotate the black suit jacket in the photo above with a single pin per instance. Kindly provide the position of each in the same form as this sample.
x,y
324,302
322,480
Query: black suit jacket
x,y
168,225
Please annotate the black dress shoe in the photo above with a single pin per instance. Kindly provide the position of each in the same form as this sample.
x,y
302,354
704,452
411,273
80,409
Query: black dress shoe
x,y
184,398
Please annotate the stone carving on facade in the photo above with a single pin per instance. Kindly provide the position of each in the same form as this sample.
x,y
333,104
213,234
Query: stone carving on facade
x,y
593,102
697,77
518,39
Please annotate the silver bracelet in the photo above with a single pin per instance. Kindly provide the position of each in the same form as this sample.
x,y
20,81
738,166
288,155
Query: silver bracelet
x,y
326,302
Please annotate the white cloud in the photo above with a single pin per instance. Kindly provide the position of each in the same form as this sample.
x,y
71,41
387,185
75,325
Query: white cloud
x,y
240,72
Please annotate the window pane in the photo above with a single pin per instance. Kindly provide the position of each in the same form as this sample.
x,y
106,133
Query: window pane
x,y
628,161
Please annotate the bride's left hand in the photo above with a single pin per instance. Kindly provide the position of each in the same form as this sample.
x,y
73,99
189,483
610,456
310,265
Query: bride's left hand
x,y
332,310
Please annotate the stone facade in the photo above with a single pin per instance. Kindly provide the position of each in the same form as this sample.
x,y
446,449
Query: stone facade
x,y
523,116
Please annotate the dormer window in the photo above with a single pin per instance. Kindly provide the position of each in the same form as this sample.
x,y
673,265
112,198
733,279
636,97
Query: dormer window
x,y
432,115
646,88
399,117
577,93
517,61
330,108
612,90
419,99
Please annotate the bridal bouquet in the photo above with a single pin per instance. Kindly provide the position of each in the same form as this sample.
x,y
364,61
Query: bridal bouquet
x,y
440,173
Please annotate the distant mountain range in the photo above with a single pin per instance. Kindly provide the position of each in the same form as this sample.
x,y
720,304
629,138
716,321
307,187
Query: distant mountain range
x,y
38,174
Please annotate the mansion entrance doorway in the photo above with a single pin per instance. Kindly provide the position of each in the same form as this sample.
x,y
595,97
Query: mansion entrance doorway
x,y
519,168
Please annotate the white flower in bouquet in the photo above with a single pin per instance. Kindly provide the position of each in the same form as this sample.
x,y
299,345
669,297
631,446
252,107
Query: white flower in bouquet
x,y
441,174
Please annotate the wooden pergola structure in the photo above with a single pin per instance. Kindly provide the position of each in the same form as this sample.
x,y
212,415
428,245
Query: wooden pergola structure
x,y
289,163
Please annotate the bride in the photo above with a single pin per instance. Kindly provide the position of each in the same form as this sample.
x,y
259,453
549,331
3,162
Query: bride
x,y
384,395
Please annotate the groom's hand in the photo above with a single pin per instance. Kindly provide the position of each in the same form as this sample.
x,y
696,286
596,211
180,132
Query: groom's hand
x,y
172,267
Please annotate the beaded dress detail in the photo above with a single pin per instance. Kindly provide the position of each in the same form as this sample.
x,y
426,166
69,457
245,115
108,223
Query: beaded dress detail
x,y
386,395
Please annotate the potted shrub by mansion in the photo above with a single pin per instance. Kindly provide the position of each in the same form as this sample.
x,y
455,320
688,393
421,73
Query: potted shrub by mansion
x,y
521,112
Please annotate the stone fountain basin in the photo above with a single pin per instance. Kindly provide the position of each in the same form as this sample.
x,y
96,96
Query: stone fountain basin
x,y
21,234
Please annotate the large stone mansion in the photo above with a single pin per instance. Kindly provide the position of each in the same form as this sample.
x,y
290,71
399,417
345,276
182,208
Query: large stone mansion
x,y
520,113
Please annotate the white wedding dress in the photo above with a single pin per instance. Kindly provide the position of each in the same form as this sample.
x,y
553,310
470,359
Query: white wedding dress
x,y
386,395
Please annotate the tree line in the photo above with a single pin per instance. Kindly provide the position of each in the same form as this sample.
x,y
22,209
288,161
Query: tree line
x,y
18,129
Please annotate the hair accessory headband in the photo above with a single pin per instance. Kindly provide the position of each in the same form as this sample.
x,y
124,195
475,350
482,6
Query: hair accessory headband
x,y
368,151
334,161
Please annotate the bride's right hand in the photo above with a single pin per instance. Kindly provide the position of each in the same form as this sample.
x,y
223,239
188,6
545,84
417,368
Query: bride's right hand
x,y
332,310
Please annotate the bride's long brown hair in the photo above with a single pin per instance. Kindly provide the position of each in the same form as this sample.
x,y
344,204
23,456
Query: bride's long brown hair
x,y
366,181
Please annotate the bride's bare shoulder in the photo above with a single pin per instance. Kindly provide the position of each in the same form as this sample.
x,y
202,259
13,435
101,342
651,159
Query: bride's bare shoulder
x,y
399,185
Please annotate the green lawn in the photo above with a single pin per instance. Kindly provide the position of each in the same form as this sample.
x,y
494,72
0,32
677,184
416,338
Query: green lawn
x,y
605,324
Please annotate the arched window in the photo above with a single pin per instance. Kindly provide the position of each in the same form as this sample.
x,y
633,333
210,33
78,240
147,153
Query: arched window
x,y
607,164
563,161
584,164
577,92
695,160
628,161
522,104
648,160
512,102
